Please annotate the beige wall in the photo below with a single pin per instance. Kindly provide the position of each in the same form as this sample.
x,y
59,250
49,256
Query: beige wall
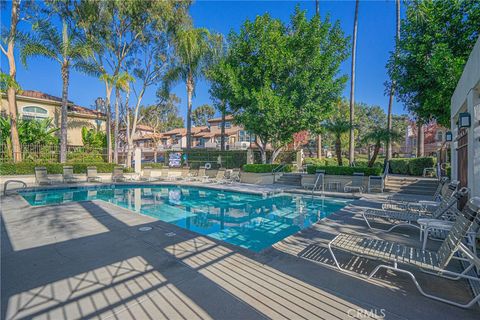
x,y
75,121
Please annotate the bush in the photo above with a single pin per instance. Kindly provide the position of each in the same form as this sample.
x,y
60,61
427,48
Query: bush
x,y
325,161
411,166
230,159
10,168
264,168
347,171
399,166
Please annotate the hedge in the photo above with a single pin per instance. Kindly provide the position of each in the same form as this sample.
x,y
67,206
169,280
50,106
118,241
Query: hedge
x,y
230,159
10,168
153,165
264,168
411,166
346,171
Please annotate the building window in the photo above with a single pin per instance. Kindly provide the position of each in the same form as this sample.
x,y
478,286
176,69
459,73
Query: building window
x,y
34,113
227,125
439,136
245,136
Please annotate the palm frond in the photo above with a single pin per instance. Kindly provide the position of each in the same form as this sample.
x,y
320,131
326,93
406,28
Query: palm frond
x,y
33,49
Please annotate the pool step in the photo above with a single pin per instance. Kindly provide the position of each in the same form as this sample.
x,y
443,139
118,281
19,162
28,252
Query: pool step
x,y
293,179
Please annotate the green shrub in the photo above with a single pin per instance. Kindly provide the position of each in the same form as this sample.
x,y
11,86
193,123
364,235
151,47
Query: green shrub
x,y
230,159
399,165
411,166
416,165
325,161
264,168
9,168
347,171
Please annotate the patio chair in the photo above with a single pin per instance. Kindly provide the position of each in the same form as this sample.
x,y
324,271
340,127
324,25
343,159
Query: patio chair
x,y
92,175
318,182
67,175
146,175
375,183
202,175
423,206
356,183
220,177
431,262
117,175
234,175
410,218
41,176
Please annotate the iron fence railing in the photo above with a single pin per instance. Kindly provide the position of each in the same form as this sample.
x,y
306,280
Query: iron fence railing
x,y
50,153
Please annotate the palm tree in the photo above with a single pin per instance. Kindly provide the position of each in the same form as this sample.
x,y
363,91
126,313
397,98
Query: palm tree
x,y
392,89
338,127
12,85
65,47
379,136
193,47
121,82
351,148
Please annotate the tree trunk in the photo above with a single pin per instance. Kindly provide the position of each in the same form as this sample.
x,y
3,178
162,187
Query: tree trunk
x,y
275,154
11,91
108,93
421,140
338,151
222,137
376,150
116,128
64,118
351,145
319,146
392,89
317,7
189,111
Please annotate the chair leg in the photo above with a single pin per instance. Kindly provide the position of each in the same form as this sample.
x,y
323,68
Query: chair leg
x,y
419,288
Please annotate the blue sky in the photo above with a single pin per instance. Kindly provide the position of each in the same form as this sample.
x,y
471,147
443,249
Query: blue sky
x,y
376,29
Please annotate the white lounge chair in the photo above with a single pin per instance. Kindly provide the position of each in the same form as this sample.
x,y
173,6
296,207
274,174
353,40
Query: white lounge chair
x,y
92,175
117,175
220,177
433,262
375,183
410,218
146,175
41,176
234,175
68,176
356,183
202,175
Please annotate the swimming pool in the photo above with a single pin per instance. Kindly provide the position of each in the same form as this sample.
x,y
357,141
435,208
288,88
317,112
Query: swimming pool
x,y
251,221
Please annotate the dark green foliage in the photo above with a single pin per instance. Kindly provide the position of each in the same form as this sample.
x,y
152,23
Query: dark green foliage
x,y
153,165
229,159
26,167
411,166
326,161
265,168
346,171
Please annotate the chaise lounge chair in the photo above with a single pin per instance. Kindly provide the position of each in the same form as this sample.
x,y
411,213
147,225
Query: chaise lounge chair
x,y
375,183
146,175
117,175
356,183
409,218
92,175
68,176
318,181
41,176
220,177
202,175
432,262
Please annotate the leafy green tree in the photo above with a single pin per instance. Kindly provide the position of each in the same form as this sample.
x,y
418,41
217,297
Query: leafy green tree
x,y
379,136
64,46
194,48
92,138
279,80
202,114
29,131
435,41
338,127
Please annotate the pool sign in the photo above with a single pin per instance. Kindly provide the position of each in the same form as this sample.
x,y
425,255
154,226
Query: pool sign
x,y
175,159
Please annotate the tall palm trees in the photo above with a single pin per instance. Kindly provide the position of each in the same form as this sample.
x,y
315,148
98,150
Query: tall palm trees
x,y
379,136
338,127
392,89
193,47
11,88
351,145
66,48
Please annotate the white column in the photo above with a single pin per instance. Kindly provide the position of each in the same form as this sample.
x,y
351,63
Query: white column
x,y
453,149
473,99
138,160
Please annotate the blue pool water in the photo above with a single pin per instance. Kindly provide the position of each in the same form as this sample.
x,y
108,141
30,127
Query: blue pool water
x,y
250,221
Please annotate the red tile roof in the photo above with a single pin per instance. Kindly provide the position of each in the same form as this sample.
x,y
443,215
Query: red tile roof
x,y
72,107
228,117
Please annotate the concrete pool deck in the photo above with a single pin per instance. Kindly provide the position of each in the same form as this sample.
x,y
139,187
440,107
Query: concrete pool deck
x,y
89,260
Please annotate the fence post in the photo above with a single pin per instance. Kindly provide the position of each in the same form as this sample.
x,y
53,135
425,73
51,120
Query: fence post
x,y
299,159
